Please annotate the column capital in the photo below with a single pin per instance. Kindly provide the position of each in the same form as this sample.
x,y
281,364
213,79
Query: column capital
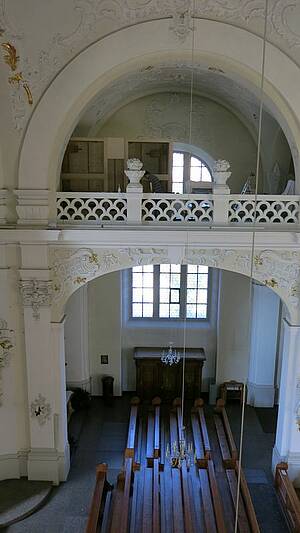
x,y
36,293
33,206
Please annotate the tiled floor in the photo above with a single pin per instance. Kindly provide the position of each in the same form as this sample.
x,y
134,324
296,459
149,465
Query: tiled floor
x,y
101,437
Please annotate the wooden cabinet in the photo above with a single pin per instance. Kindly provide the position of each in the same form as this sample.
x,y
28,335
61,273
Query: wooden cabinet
x,y
154,378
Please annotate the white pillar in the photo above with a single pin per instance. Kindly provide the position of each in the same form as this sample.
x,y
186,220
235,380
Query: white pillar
x,y
48,458
76,340
264,329
287,444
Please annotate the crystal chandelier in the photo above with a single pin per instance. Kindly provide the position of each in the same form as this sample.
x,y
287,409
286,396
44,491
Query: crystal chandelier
x,y
170,356
179,453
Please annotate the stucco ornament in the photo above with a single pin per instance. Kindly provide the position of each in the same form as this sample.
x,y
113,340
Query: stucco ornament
x,y
40,409
73,267
6,347
36,294
278,270
134,164
90,20
181,24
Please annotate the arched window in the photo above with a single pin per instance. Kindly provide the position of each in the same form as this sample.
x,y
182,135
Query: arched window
x,y
189,173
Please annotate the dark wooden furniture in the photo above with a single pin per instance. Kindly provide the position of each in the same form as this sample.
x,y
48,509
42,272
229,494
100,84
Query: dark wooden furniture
x,y
154,378
287,496
232,390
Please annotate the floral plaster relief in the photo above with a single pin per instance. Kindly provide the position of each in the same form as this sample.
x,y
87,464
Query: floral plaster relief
x,y
58,31
73,267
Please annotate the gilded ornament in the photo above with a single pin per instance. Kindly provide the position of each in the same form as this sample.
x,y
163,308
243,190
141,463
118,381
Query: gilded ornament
x,y
258,260
10,56
271,283
93,258
18,79
79,280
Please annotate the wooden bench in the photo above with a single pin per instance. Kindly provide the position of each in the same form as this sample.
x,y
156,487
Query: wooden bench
x,y
220,409
101,488
132,429
247,521
287,496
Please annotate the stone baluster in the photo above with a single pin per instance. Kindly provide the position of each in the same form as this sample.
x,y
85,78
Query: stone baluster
x,y
221,174
134,190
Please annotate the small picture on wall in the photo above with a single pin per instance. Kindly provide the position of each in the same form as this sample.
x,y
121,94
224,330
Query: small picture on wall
x,y
104,359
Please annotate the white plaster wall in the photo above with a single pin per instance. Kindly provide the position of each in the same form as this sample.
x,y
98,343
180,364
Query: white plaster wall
x,y
216,130
233,327
104,312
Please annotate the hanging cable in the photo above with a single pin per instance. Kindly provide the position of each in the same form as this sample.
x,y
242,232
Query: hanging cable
x,y
262,81
192,4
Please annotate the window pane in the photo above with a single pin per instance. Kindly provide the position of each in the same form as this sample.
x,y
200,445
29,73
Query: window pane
x,y
137,310
177,188
192,268
175,295
202,281
191,296
137,295
196,162
202,296
177,159
202,268
137,280
164,295
164,280
175,268
177,174
195,173
191,311
147,310
164,310
148,268
148,279
165,268
174,310
137,269
201,311
206,176
175,281
147,295
192,280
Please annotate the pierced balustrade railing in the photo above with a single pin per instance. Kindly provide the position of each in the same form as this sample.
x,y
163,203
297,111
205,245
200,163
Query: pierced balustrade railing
x,y
101,207
209,209
268,209
177,208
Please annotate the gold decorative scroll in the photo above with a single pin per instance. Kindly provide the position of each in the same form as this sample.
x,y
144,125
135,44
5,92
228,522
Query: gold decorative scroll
x,y
18,79
11,59
10,55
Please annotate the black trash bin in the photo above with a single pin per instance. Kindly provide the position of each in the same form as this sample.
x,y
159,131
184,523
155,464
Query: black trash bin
x,y
108,389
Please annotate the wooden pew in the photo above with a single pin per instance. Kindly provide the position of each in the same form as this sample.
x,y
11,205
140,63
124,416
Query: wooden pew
x,y
121,499
287,496
132,429
100,490
202,446
246,515
156,402
198,405
220,408
156,500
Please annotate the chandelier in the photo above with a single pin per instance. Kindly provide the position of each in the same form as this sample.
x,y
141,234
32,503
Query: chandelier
x,y
179,453
170,356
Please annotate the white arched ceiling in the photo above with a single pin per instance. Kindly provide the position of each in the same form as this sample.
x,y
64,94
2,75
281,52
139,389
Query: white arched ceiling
x,y
146,44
